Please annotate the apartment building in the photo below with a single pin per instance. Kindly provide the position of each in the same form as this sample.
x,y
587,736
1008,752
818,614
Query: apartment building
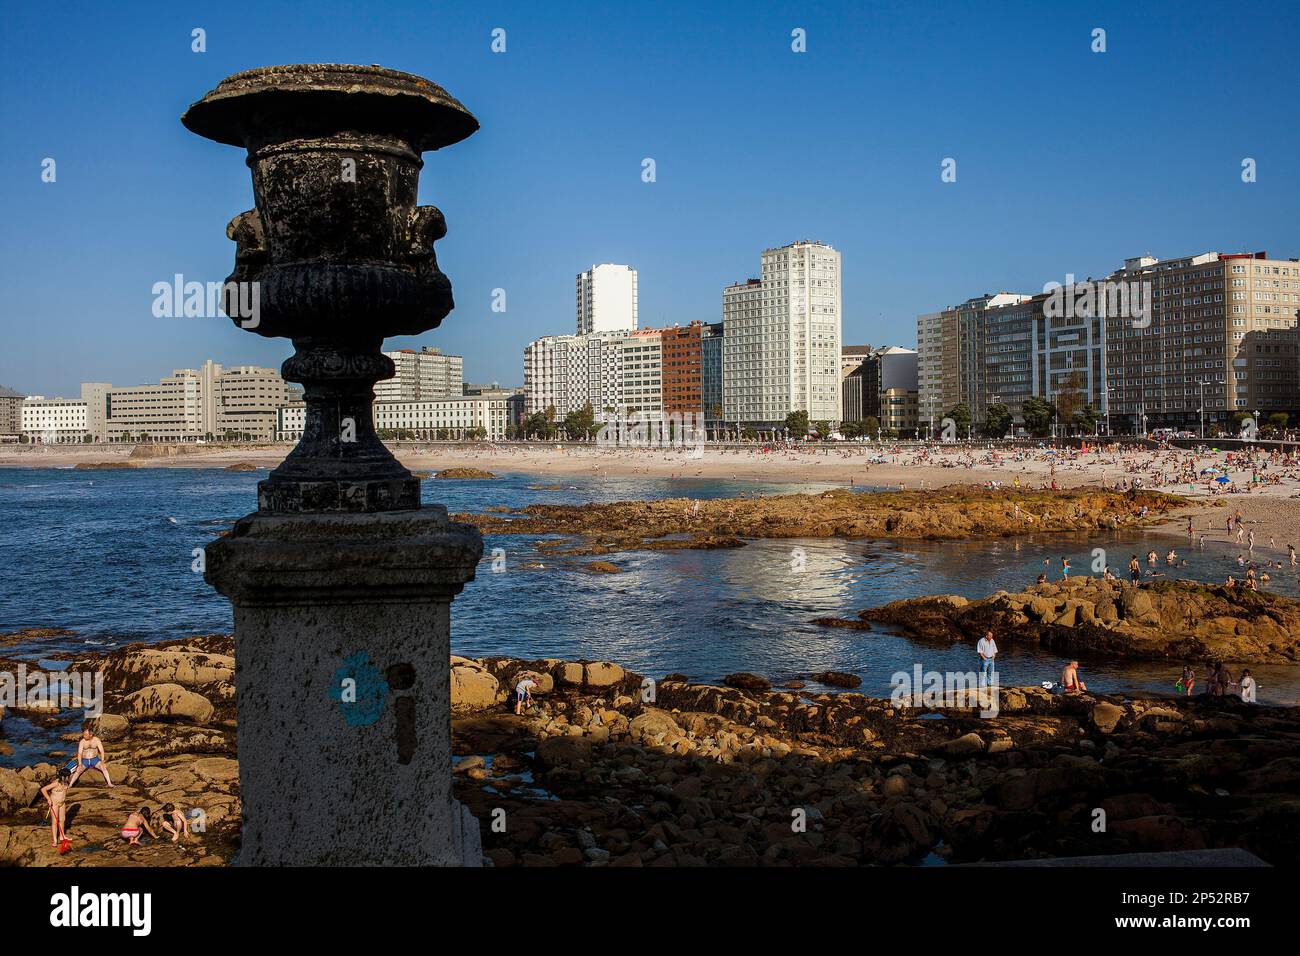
x,y
209,402
1222,325
683,369
248,399
782,338
11,414
883,385
606,299
421,376
175,409
1155,343
711,374
613,372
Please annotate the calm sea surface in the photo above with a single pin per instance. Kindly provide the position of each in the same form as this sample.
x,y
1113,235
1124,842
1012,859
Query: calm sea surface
x,y
107,554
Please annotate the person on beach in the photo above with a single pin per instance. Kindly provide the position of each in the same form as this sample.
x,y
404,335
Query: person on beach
x,y
1247,685
1187,681
524,694
1134,570
1070,680
174,822
1290,550
90,756
56,794
136,822
1065,568
987,649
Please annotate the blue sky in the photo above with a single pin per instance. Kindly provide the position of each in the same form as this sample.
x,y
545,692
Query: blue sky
x,y
1067,160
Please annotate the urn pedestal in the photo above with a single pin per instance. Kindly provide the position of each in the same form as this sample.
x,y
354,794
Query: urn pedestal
x,y
341,582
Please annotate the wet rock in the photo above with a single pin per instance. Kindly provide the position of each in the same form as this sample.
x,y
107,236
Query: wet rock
x,y
746,681
836,679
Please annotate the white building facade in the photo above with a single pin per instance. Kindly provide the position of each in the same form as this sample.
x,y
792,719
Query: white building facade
x,y
438,418
54,421
782,336
606,299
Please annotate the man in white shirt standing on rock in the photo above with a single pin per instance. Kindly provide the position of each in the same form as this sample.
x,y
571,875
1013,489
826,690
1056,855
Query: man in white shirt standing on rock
x,y
987,650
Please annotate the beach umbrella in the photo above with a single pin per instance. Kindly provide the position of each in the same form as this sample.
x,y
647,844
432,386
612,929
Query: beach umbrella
x,y
1223,479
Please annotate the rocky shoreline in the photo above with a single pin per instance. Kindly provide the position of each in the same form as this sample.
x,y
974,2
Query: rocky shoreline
x,y
1161,620
955,512
613,769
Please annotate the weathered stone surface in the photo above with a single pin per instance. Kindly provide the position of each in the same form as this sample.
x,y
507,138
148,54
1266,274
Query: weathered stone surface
x,y
472,687
1178,620
168,702
945,513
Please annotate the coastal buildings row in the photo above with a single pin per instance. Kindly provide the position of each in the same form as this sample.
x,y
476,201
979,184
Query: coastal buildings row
x,y
776,350
188,405
1154,344
490,413
253,403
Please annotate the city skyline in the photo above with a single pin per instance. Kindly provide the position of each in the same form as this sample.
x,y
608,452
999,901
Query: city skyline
x,y
1038,193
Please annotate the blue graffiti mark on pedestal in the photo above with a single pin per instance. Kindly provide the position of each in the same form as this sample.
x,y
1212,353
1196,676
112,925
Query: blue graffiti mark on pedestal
x,y
369,688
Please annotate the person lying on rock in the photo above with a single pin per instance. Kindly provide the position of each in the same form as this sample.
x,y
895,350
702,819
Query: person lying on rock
x,y
174,822
90,756
1070,680
137,821
56,793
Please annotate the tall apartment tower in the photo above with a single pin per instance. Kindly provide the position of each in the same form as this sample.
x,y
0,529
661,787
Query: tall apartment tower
x,y
781,338
606,299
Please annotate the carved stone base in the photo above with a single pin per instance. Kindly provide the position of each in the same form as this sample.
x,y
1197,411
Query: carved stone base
x,y
342,637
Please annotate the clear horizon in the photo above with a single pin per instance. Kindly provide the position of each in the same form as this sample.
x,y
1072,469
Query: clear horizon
x,y
1068,161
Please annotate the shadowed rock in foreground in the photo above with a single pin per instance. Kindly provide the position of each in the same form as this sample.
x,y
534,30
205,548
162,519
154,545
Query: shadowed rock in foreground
x,y
1177,620
943,514
610,770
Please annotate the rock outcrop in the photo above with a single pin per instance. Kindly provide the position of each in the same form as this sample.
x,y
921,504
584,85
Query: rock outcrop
x,y
1174,620
941,514
613,769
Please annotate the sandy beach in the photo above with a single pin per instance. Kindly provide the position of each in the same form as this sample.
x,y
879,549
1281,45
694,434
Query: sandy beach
x,y
1272,508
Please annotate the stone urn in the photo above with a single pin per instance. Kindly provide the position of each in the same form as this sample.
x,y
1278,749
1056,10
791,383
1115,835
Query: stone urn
x,y
341,582
341,254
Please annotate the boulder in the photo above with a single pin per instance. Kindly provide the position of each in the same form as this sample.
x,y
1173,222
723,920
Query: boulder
x,y
15,792
568,673
1106,716
602,674
746,681
971,743
111,726
567,751
653,726
168,702
836,679
143,668
472,687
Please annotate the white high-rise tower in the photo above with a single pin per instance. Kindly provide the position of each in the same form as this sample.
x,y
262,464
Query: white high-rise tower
x,y
606,299
781,338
